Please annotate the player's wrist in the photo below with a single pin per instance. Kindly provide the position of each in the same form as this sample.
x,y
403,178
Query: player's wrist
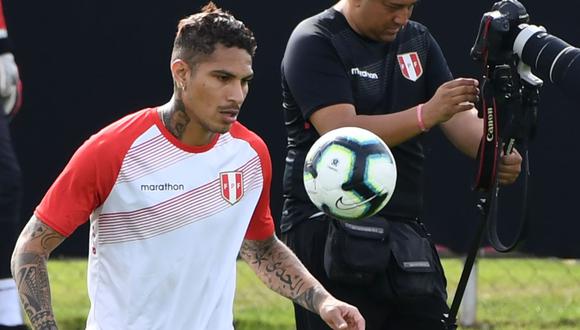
x,y
423,117
320,299
420,122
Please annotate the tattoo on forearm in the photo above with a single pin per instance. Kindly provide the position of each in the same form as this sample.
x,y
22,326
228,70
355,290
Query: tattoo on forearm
x,y
43,321
280,270
38,230
310,298
29,270
255,252
32,281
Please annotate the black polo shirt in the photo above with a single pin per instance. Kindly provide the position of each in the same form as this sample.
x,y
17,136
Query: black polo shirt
x,y
327,63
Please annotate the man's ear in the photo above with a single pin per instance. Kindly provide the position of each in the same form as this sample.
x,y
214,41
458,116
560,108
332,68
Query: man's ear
x,y
179,70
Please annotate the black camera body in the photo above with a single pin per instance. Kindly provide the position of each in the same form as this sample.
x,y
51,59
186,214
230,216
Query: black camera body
x,y
506,37
497,32
510,92
510,49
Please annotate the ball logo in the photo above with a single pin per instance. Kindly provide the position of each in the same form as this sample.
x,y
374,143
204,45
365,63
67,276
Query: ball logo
x,y
349,206
349,173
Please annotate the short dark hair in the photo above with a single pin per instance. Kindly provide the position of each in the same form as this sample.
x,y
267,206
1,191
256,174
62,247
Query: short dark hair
x,y
198,34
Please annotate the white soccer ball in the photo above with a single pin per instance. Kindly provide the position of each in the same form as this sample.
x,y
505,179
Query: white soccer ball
x,y
350,173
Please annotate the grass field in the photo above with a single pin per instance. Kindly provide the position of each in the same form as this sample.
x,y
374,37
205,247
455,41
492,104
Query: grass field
x,y
514,294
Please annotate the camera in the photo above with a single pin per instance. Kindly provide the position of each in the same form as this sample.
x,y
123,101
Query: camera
x,y
506,35
517,57
510,49
550,57
497,31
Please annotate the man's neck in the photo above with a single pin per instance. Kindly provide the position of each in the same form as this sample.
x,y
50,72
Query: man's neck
x,y
345,8
179,124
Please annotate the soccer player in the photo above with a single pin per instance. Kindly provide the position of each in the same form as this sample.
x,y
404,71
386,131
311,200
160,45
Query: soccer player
x,y
10,181
363,63
173,193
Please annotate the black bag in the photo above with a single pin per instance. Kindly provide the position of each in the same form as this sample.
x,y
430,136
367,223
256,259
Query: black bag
x,y
416,269
356,252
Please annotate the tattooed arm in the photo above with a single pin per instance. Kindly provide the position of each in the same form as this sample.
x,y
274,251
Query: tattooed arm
x,y
278,267
33,247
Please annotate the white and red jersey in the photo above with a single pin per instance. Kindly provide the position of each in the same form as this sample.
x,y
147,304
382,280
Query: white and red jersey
x,y
166,221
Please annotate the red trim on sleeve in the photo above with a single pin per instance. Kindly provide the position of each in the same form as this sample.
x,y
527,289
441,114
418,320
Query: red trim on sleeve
x,y
88,178
261,225
2,19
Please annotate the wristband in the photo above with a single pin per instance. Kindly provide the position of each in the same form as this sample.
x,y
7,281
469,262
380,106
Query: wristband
x,y
420,121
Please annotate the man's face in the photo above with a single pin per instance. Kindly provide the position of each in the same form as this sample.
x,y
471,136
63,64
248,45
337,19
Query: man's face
x,y
216,88
381,20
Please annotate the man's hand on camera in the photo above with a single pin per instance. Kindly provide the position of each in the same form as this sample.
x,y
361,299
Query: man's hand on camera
x,y
452,97
509,168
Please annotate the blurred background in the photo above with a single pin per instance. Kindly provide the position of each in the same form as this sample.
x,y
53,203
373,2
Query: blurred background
x,y
86,63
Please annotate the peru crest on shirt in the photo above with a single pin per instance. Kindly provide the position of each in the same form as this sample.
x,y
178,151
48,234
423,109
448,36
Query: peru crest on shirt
x,y
410,65
232,186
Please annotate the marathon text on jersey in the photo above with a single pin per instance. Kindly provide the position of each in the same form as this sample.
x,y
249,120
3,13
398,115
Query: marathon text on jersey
x,y
162,187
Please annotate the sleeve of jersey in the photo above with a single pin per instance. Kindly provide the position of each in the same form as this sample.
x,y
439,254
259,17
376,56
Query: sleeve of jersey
x,y
4,41
438,71
81,187
314,73
262,225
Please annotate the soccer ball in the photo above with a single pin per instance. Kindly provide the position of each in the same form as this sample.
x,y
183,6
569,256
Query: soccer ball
x,y
350,173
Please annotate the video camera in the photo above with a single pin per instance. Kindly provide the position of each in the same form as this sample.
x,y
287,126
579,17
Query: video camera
x,y
505,33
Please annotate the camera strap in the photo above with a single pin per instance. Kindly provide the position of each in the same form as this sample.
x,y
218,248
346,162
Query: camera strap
x,y
489,145
509,107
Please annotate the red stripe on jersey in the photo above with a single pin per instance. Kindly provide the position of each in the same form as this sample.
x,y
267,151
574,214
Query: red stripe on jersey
x,y
239,190
2,19
88,178
226,186
195,205
417,64
403,66
159,155
261,225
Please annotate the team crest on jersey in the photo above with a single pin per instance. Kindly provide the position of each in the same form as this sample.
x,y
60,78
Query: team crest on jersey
x,y
232,186
410,65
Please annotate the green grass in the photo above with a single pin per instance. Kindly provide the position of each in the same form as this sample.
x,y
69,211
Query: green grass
x,y
529,294
68,285
257,307
514,294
